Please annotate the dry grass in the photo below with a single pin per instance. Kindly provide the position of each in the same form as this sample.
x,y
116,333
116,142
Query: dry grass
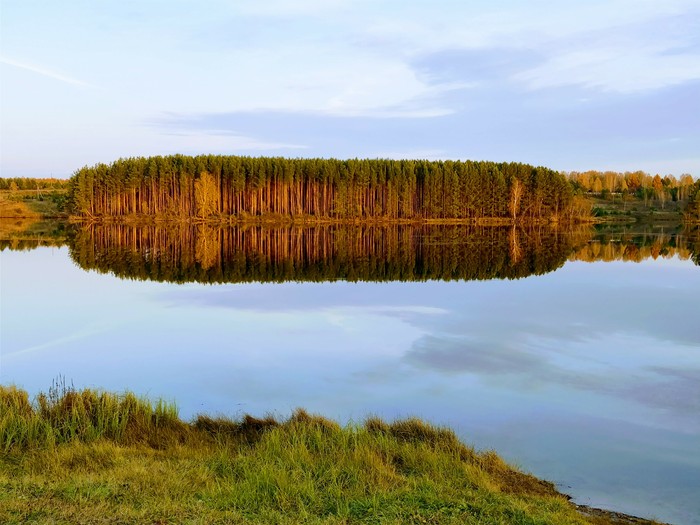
x,y
30,204
11,208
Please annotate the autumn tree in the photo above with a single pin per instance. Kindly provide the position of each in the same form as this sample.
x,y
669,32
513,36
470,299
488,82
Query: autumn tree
x,y
634,180
206,195
516,193
692,210
598,186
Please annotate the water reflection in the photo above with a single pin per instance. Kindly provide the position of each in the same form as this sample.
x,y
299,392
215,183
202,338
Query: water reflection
x,y
610,244
206,254
29,234
322,253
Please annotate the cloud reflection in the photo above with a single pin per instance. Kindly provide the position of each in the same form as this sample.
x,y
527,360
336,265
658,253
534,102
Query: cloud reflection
x,y
454,355
556,364
573,332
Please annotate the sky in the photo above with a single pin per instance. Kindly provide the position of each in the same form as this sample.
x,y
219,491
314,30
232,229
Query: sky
x,y
575,85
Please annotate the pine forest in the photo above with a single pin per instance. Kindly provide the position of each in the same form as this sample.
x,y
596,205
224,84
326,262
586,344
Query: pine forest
x,y
215,187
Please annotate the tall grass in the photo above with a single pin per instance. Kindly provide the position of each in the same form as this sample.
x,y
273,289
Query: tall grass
x,y
77,456
66,414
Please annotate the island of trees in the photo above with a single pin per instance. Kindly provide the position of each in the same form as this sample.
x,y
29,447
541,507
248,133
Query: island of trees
x,y
218,187
225,189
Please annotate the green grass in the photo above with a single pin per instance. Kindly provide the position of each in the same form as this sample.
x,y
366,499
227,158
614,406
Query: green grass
x,y
73,456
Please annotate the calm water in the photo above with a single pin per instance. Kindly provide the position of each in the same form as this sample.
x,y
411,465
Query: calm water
x,y
584,373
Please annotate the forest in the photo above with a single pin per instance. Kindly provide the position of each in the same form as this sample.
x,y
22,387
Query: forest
x,y
212,187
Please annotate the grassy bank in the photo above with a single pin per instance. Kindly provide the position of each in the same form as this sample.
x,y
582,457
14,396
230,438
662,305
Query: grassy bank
x,y
622,210
95,457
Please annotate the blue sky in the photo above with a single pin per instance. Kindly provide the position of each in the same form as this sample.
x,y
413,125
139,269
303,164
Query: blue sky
x,y
573,85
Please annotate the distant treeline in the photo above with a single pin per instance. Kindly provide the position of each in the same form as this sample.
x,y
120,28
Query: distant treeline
x,y
25,183
637,184
216,187
202,253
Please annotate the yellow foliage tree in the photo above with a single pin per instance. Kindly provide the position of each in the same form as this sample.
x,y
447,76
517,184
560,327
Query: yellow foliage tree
x,y
206,195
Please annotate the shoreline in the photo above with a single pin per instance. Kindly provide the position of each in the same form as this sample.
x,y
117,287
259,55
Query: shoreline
x,y
617,518
122,453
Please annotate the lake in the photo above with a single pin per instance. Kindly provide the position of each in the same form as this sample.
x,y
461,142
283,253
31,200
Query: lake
x,y
574,354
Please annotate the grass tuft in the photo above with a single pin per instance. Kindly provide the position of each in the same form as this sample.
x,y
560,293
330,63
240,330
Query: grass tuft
x,y
65,414
248,430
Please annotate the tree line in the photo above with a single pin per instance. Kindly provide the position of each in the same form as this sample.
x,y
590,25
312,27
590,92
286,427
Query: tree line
x,y
30,183
215,187
634,184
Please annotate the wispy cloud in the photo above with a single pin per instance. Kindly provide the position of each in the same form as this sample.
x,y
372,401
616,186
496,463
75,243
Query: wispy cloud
x,y
44,72
277,8
222,140
614,68
619,46
429,154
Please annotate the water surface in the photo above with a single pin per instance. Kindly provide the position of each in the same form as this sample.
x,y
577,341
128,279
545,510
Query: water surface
x,y
575,355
